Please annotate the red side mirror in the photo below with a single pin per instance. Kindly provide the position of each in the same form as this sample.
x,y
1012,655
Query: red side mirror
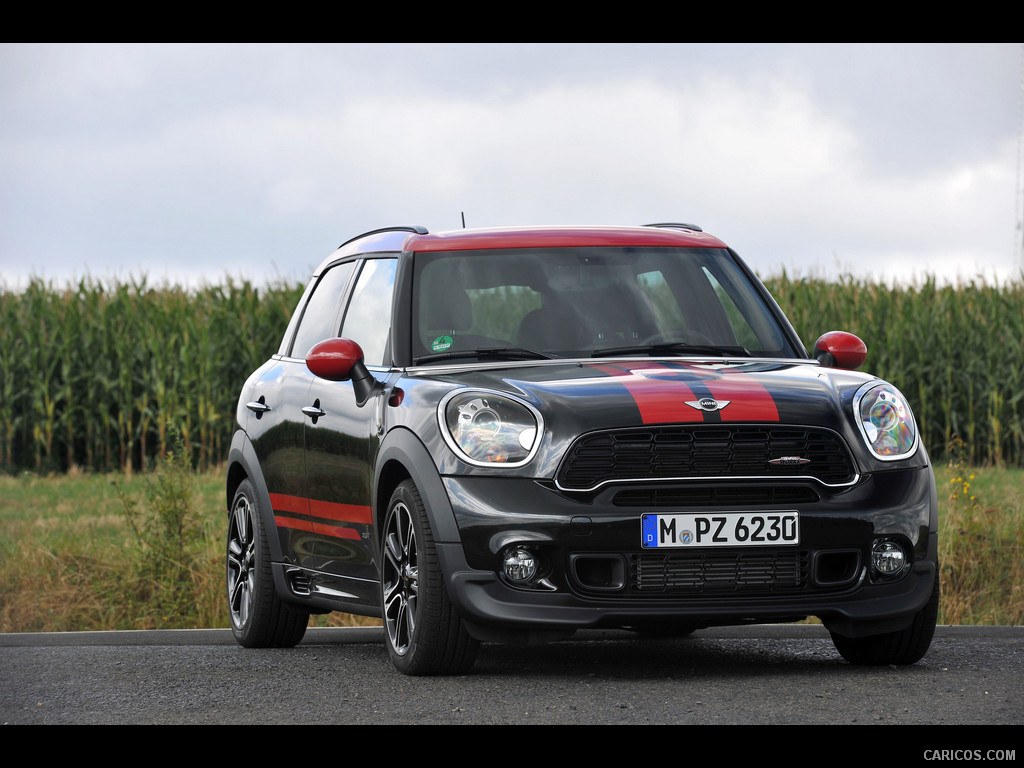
x,y
334,359
839,349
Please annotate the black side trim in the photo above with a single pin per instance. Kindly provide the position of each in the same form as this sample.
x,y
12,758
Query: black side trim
x,y
675,225
416,229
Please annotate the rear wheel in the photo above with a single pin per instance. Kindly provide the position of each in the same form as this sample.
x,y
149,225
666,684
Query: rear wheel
x,y
423,633
259,619
907,646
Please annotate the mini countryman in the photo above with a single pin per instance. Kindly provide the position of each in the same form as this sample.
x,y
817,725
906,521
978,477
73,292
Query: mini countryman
x,y
506,435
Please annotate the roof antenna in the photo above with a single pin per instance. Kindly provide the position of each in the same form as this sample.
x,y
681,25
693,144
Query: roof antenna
x,y
463,219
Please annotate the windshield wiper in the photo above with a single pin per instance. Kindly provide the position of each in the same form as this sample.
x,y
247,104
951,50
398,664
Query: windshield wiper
x,y
673,348
486,353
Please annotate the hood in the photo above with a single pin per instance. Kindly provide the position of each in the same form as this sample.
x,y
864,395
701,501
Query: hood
x,y
656,401
628,393
577,398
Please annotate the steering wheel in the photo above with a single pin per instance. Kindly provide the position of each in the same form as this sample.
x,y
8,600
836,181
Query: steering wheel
x,y
684,335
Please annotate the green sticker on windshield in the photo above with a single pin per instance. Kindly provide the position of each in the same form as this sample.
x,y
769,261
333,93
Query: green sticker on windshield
x,y
441,344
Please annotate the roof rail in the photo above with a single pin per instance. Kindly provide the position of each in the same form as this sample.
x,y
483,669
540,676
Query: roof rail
x,y
671,225
418,230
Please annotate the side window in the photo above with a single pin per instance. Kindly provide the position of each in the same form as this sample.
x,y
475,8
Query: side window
x,y
368,319
320,318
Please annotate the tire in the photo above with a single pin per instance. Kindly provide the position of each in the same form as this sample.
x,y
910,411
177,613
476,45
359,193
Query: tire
x,y
259,618
423,633
907,646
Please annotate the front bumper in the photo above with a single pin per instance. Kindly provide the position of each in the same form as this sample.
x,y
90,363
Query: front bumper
x,y
596,574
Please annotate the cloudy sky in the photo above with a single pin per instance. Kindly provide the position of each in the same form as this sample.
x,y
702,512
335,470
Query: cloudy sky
x,y
193,163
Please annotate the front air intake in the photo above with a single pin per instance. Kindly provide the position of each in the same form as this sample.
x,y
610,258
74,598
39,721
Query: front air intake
x,y
705,451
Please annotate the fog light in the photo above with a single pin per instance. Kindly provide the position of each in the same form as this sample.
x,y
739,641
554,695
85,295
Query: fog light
x,y
888,557
520,565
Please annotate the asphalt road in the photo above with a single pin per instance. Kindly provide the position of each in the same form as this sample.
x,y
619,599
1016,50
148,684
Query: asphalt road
x,y
750,675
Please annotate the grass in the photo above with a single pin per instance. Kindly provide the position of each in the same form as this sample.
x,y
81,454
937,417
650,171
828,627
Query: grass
x,y
981,544
71,558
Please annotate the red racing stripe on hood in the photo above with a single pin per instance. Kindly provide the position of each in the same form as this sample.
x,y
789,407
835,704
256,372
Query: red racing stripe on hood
x,y
748,398
659,401
662,393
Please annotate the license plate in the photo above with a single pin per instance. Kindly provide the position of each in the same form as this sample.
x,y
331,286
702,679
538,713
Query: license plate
x,y
726,529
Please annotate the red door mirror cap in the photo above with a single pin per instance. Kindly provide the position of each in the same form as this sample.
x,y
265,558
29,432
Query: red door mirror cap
x,y
334,359
839,349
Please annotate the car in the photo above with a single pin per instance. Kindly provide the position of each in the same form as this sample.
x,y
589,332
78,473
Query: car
x,y
507,435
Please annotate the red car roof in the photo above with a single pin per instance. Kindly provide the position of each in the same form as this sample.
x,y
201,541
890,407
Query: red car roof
x,y
393,239
540,237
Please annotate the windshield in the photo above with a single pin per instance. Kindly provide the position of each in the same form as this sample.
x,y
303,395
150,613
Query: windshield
x,y
582,302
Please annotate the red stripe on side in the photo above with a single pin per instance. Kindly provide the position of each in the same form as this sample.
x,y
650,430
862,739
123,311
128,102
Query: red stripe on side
x,y
295,504
347,513
659,401
292,522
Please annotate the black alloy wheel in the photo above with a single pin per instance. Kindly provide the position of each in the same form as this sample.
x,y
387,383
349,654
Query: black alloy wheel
x,y
259,619
424,635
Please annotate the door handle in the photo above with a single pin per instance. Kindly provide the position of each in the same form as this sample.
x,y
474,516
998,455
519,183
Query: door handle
x,y
314,411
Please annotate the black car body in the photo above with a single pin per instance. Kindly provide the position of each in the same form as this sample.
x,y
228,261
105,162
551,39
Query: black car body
x,y
507,435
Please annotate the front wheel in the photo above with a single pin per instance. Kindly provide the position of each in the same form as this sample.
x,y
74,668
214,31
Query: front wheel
x,y
259,619
423,633
907,646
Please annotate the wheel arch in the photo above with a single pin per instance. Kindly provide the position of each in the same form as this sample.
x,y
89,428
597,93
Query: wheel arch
x,y
244,465
403,456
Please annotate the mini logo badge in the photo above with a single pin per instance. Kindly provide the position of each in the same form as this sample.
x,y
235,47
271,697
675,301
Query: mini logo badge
x,y
789,460
708,404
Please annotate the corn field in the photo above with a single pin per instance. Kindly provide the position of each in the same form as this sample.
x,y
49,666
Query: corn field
x,y
94,375
956,353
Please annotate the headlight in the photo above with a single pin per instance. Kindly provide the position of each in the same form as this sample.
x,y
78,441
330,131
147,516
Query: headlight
x,y
885,421
487,428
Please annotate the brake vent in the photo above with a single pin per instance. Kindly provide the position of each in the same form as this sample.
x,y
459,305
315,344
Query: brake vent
x,y
715,572
299,583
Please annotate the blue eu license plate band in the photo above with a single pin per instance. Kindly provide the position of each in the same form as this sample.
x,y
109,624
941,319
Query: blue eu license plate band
x,y
725,529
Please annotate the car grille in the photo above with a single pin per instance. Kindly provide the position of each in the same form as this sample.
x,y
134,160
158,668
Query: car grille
x,y
704,451
715,572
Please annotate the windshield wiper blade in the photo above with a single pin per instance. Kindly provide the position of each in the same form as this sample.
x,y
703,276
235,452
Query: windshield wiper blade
x,y
485,353
673,348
